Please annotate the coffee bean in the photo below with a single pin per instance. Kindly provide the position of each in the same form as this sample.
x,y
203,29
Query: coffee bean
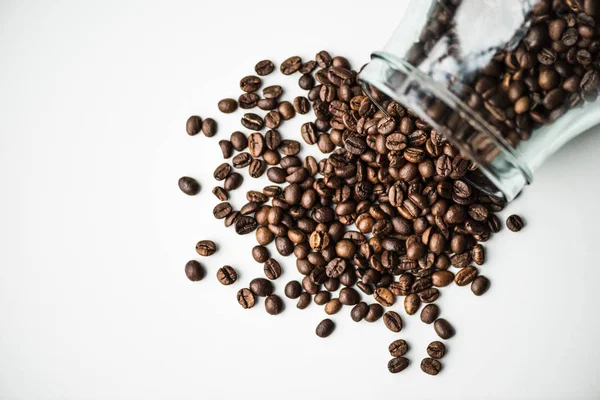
x,y
257,168
227,106
231,218
375,312
222,210
233,181
443,328
436,349
260,254
291,65
256,144
392,321
336,267
442,278
273,304
289,147
209,127
261,287
430,313
384,297
241,160
206,248
245,225
478,254
412,302
272,269
252,121
589,82
359,311
287,110
273,119
333,306
226,275
301,105
226,148
250,83
306,81
245,298
267,104
293,289
465,276
480,285
189,186
397,364
272,92
349,296
431,366
247,101
307,68
303,301
322,298
323,59
264,67
514,223
193,126
222,171
398,348
325,328
194,271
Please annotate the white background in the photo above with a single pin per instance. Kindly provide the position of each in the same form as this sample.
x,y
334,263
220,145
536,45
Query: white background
x,y
94,233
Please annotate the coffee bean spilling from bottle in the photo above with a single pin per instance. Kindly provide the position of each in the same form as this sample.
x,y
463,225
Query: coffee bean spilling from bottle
x,y
385,217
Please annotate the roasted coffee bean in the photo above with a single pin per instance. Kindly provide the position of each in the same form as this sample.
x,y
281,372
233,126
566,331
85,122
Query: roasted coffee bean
x,y
273,304
333,306
226,148
478,254
397,364
392,321
301,105
272,92
189,186
443,328
222,171
226,275
429,295
289,147
227,106
325,328
261,287
436,349
286,109
264,67
431,366
267,104
233,181
359,311
398,348
272,269
250,83
194,271
349,296
252,121
322,298
247,101
291,65
272,119
323,58
257,168
480,285
241,160
238,140
375,312
260,254
306,81
193,126
209,127
412,302
222,210
245,298
231,218
303,301
514,223
384,297
245,225
442,278
430,313
206,248
465,276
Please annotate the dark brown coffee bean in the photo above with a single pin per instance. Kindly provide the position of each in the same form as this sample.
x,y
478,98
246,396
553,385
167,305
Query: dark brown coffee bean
x,y
267,104
442,278
260,254
272,269
252,121
323,59
589,82
264,67
286,109
303,301
349,296
261,287
245,298
306,81
431,366
392,321
241,160
206,248
430,313
233,181
272,92
514,223
322,298
478,254
289,147
256,144
336,267
359,311
273,304
209,127
250,83
231,218
226,275
193,126
245,225
189,186
222,171
257,168
325,328
222,210
247,101
397,364
301,105
436,349
398,348
333,306
226,148
375,312
355,144
480,285
194,271
465,276
276,175
291,65
443,328
384,297
293,289
307,68
227,106
273,119
412,302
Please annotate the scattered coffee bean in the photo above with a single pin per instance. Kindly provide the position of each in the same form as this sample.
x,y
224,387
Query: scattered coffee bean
x,y
226,275
220,193
273,304
375,312
209,127
245,225
333,306
261,287
264,67
247,101
250,83
392,321
384,297
480,285
272,269
398,348
436,349
193,126
514,223
443,328
291,65
227,106
303,301
252,121
245,298
233,181
272,92
260,254
194,271
412,302
222,210
189,186
431,366
359,311
206,248
397,364
325,328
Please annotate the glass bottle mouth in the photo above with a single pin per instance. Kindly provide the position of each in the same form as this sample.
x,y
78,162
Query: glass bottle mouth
x,y
501,172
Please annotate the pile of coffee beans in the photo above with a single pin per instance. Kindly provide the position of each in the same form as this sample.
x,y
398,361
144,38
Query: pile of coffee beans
x,y
384,217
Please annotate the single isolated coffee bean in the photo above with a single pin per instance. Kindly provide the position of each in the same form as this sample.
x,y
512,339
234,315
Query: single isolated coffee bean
x,y
193,126
325,328
209,127
431,366
227,106
392,321
397,364
480,285
398,348
273,304
443,328
206,248
430,313
264,67
261,287
514,223
245,298
436,349
194,271
226,275
189,186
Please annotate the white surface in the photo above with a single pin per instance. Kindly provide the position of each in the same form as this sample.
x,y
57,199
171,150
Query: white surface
x,y
94,232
